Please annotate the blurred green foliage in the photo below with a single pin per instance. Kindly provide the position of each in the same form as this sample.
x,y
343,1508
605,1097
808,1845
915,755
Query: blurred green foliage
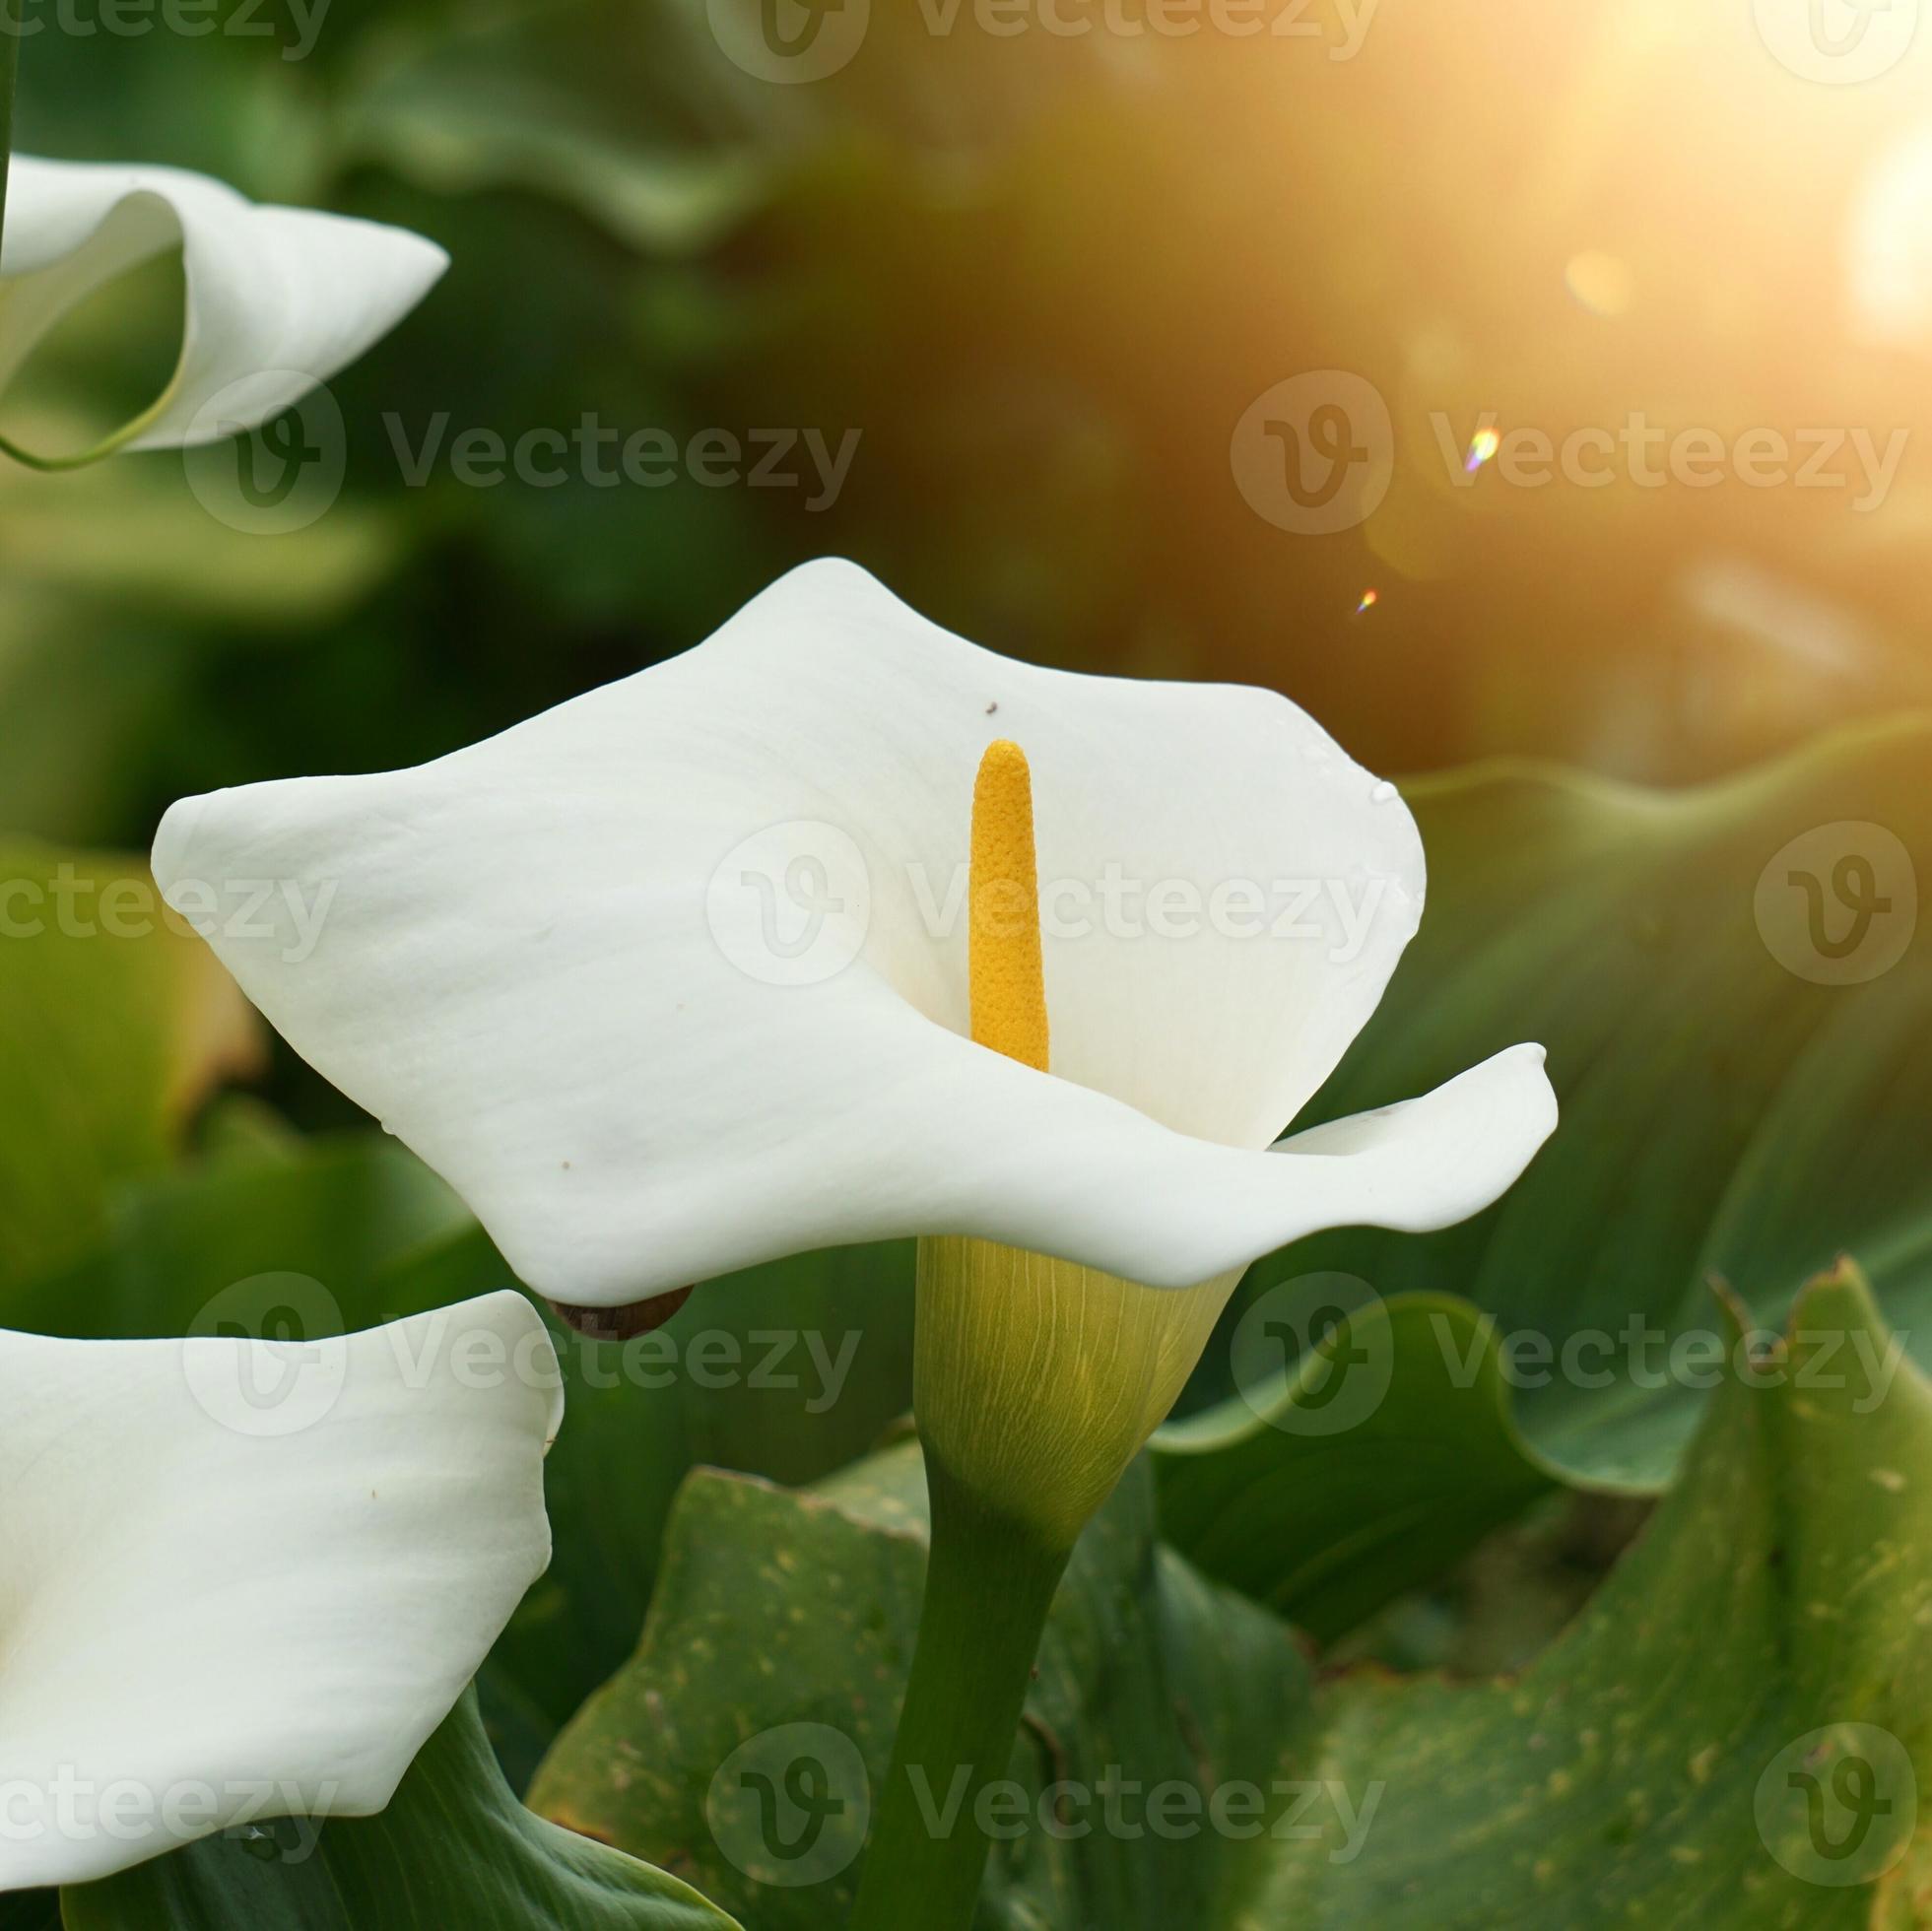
x,y
1042,278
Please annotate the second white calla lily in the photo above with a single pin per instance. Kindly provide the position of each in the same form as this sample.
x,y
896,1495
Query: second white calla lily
x,y
674,978
277,299
243,1579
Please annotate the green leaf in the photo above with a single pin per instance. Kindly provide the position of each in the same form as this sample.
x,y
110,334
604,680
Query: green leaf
x,y
1770,1627
781,1608
1658,1763
1726,1113
111,1027
454,1849
570,102
1326,1527
183,1247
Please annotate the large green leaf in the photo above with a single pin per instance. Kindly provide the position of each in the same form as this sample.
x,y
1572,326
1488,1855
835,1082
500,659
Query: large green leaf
x,y
1728,1112
1326,1526
455,1848
787,1607
112,1024
1658,1763
219,1245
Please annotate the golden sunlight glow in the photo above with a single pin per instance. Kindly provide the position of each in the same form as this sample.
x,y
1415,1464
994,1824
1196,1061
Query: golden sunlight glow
x,y
1008,982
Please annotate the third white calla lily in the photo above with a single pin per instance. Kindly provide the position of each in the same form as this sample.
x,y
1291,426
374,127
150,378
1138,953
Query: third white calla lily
x,y
242,1579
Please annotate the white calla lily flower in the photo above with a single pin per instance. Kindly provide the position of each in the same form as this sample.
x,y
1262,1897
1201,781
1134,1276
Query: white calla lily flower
x,y
242,1579
277,299
674,978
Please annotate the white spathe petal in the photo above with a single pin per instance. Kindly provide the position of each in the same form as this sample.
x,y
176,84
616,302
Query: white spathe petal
x,y
277,299
245,1578
673,978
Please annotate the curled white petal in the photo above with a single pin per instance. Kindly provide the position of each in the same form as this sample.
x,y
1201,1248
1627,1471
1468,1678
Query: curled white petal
x,y
673,978
277,299
241,1578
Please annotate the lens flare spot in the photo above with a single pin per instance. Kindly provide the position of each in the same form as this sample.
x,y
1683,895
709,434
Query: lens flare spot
x,y
1370,599
1603,284
1481,446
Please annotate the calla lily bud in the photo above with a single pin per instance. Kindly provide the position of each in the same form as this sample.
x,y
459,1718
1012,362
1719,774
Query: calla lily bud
x,y
1039,1380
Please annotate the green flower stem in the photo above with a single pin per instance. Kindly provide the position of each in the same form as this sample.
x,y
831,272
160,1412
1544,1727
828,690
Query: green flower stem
x,y
989,1584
